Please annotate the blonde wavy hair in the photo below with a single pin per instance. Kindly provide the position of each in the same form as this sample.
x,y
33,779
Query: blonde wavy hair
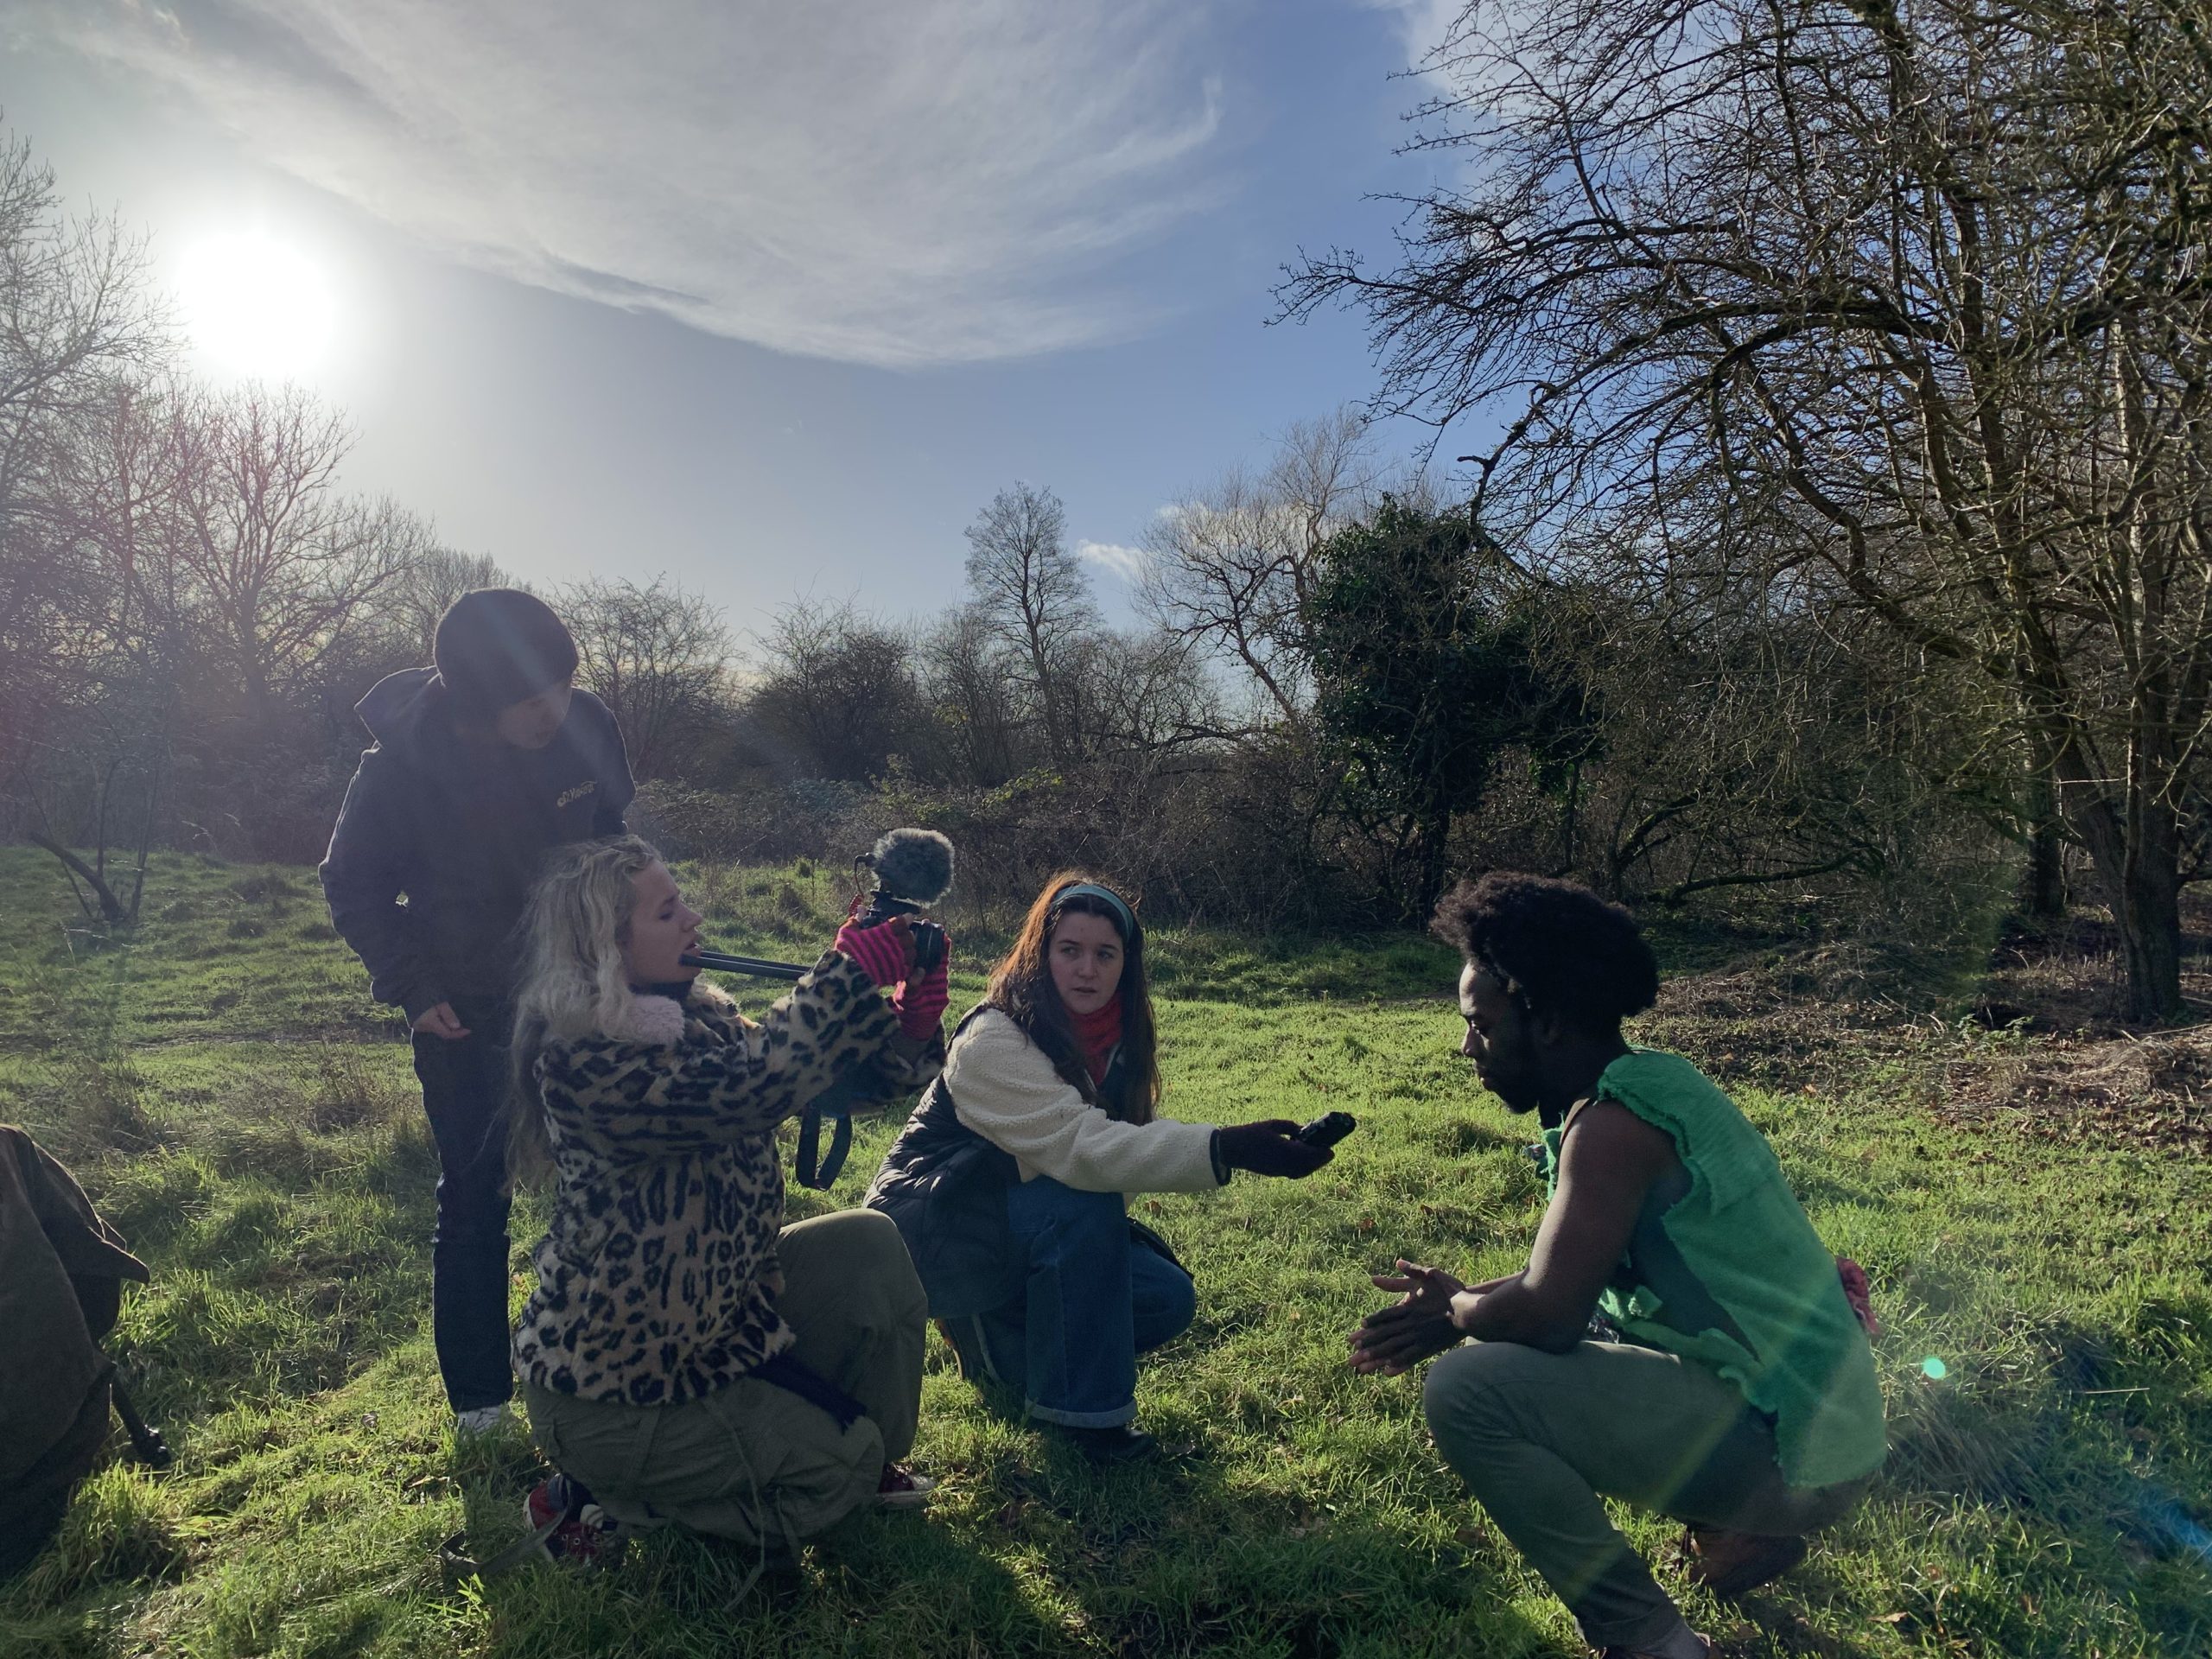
x,y
573,981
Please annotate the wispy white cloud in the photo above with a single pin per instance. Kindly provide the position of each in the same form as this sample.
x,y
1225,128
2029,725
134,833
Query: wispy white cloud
x,y
1422,25
899,182
1126,562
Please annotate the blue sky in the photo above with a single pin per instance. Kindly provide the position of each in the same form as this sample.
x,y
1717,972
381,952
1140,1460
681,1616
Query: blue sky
x,y
769,298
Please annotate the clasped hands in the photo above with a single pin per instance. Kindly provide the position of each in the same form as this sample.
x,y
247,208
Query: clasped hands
x,y
1429,1317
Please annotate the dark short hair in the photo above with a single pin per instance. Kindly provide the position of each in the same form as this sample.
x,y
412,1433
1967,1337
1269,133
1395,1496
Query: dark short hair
x,y
1568,950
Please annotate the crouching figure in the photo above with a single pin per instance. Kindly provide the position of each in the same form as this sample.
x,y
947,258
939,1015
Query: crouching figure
x,y
685,1356
1736,1389
1009,1179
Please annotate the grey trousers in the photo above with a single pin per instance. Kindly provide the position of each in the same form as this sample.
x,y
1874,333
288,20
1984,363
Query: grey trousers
x,y
1538,1436
753,1461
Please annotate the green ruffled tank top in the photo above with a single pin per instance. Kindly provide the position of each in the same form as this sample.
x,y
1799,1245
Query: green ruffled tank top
x,y
1796,1350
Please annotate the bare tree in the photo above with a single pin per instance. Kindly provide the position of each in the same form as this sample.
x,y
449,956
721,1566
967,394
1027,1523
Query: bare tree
x,y
77,333
1231,568
412,606
74,313
658,657
1746,749
279,563
104,743
838,698
74,322
969,679
1923,292
1031,591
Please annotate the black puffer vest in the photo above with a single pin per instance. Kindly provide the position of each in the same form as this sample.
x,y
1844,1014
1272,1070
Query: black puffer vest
x,y
944,1186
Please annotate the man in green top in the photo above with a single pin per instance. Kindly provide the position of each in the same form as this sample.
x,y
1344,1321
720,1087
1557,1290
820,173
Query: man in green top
x,y
1741,1395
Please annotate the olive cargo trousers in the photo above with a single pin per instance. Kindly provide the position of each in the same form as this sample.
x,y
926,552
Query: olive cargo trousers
x,y
754,1462
1538,1436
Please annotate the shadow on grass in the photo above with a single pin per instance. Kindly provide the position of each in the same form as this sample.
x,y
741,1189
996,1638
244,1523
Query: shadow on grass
x,y
1178,1555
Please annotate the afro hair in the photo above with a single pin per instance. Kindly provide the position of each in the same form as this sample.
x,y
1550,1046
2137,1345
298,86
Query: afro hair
x,y
1569,951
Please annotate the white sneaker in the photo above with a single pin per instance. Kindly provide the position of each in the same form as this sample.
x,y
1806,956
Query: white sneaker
x,y
484,1419
902,1489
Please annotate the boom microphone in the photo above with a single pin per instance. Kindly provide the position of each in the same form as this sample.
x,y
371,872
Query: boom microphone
x,y
915,865
913,870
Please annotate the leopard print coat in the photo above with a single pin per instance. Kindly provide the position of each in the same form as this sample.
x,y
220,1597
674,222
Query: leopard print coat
x,y
658,1281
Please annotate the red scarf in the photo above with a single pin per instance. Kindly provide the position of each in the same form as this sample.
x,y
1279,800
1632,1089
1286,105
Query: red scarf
x,y
1098,1033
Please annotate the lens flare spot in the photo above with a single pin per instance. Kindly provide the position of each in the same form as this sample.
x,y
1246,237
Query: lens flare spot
x,y
1933,1368
257,305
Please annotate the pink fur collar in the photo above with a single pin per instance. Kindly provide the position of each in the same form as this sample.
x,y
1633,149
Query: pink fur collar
x,y
655,1020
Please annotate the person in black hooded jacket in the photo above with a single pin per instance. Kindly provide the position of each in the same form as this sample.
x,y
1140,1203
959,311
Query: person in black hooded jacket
x,y
482,764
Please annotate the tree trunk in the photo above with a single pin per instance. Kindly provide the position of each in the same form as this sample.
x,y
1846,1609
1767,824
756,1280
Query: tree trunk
x,y
2150,909
113,912
1435,842
2135,850
2043,884
1571,819
2150,933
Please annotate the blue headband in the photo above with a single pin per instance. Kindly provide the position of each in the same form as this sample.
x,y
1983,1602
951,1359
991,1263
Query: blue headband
x,y
1125,917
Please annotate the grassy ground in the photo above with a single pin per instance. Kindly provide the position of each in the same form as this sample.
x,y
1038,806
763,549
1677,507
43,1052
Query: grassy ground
x,y
239,1109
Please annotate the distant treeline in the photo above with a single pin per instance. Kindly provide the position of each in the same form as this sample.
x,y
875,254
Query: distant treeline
x,y
1343,692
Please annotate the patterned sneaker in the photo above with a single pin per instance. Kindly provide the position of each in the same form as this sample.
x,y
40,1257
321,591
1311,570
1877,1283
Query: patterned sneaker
x,y
902,1489
569,1528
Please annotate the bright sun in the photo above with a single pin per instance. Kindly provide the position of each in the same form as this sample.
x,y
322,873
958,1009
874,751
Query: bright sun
x,y
257,305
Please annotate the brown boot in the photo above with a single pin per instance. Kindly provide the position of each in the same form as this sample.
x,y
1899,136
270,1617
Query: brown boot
x,y
1732,1564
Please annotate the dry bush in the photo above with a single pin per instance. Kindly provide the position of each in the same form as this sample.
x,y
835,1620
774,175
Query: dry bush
x,y
768,823
98,1107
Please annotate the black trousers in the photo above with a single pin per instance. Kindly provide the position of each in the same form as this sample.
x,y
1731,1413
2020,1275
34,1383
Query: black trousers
x,y
465,1095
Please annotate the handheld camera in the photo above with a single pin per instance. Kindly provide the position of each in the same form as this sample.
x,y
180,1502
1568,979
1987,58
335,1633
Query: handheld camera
x,y
1326,1130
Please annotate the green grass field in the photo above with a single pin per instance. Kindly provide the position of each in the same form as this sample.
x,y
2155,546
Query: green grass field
x,y
229,1095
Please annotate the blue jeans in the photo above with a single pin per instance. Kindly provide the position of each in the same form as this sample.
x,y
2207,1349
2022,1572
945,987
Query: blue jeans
x,y
1095,1299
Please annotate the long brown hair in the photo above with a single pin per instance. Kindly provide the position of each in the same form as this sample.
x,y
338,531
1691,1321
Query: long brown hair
x,y
1021,988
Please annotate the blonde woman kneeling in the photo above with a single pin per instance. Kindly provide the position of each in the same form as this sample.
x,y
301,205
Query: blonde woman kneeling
x,y
685,1355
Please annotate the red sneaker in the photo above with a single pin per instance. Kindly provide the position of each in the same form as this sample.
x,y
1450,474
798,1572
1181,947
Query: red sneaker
x,y
902,1489
570,1528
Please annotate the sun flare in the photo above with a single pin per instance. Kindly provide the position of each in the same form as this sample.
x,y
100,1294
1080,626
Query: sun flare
x,y
257,305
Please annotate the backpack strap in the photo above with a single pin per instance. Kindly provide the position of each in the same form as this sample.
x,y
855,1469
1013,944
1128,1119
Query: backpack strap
x,y
815,1172
863,1085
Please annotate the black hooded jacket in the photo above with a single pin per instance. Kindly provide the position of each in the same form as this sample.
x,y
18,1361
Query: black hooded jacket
x,y
460,828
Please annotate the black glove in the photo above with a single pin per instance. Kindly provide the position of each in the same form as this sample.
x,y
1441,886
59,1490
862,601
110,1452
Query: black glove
x,y
1268,1147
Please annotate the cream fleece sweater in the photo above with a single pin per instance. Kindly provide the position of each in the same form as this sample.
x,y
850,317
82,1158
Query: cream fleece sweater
x,y
1004,1088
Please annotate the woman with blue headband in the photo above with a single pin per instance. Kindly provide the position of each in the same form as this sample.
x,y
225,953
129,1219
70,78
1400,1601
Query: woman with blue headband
x,y
1008,1182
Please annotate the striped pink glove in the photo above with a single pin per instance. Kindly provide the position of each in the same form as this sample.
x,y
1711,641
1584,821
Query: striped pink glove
x,y
920,1002
884,952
